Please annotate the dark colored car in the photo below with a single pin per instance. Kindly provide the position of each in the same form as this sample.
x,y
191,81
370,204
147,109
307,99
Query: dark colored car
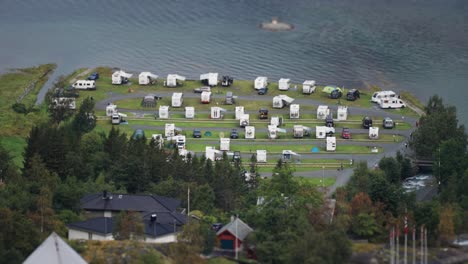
x,y
94,76
262,91
197,133
366,122
353,95
335,94
236,157
346,133
329,121
234,134
263,113
227,81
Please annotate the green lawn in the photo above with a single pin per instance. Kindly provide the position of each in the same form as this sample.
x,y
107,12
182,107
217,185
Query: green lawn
x,y
15,146
318,181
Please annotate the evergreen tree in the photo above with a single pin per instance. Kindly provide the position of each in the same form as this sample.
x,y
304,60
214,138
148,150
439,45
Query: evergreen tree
x,y
85,119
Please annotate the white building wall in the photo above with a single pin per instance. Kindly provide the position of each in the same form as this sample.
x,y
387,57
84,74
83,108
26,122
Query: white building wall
x,y
162,239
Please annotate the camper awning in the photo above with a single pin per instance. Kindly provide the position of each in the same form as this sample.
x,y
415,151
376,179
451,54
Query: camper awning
x,y
209,76
284,80
176,77
148,74
286,98
309,82
122,115
290,152
122,74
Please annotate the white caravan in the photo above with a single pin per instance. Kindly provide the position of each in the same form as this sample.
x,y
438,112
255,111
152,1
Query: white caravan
x,y
145,78
331,143
260,82
210,153
177,99
273,131
276,121
308,87
170,130
281,101
190,112
205,97
290,156
111,109
249,132
294,111
300,131
172,80
120,77
342,113
84,85
261,156
391,103
217,112
283,84
239,112
163,112
322,112
373,133
324,131
244,120
224,144
377,96
117,118
210,79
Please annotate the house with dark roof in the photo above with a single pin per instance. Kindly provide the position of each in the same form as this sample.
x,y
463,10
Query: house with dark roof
x,y
161,219
232,235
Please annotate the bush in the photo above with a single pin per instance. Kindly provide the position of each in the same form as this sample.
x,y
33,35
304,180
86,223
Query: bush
x,y
19,108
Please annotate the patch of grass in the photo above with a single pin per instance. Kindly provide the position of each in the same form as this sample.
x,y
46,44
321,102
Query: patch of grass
x,y
327,181
15,146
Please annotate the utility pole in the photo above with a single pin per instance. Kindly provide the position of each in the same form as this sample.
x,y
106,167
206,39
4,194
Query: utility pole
x,y
414,244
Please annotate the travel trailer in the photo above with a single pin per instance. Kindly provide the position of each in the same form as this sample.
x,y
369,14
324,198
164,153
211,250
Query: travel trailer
x,y
117,118
323,131
322,112
391,103
239,112
280,101
177,99
373,133
260,82
224,144
261,156
210,79
170,130
249,132
283,84
331,143
342,113
190,112
205,97
179,141
300,131
377,96
217,112
276,121
173,80
120,77
211,153
244,120
163,112
308,87
84,85
146,78
294,111
111,109
273,131
290,156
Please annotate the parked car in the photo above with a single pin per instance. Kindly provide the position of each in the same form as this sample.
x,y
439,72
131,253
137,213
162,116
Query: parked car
x,y
353,95
263,113
94,76
329,121
227,81
262,91
388,123
236,157
346,133
197,133
202,89
335,94
234,134
366,122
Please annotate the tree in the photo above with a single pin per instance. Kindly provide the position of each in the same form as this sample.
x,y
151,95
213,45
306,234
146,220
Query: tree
x,y
391,169
364,225
446,224
128,226
85,120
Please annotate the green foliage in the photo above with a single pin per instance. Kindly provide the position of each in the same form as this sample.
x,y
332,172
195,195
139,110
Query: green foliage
x,y
364,225
85,119
128,226
19,108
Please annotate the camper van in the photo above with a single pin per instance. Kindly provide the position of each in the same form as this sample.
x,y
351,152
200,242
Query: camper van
x,y
377,96
283,84
224,144
163,112
249,132
120,77
322,112
117,118
308,87
217,112
244,120
294,111
205,97
280,101
260,82
189,112
173,80
342,113
273,131
239,112
391,103
111,109
84,85
146,78
261,156
331,143
276,121
177,99
210,79
323,131
373,133
300,131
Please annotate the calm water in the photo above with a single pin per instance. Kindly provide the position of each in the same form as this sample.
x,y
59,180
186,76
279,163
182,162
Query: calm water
x,y
419,45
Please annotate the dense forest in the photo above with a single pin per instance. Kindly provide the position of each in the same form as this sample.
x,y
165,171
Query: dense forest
x,y
66,158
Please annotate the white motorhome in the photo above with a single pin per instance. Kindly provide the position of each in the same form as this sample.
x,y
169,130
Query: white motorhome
x,y
250,132
210,79
145,78
111,109
281,101
377,96
308,87
322,112
273,131
342,113
177,99
290,156
244,120
300,131
373,133
84,85
211,153
189,112
224,144
239,112
120,77
391,103
276,121
331,143
324,131
261,156
172,80
294,111
170,130
217,112
260,82
179,140
205,97
117,118
163,112
283,84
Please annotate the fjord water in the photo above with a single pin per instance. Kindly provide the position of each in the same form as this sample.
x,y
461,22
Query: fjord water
x,y
420,46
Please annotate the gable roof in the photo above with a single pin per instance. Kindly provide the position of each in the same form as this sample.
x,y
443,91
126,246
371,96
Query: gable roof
x,y
54,251
241,231
129,202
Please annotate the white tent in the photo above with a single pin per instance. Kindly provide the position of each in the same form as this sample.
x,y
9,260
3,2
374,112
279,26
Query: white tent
x,y
342,113
322,112
283,84
54,251
189,112
163,112
145,78
172,79
308,87
249,132
210,79
260,82
120,77
224,144
239,112
294,111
